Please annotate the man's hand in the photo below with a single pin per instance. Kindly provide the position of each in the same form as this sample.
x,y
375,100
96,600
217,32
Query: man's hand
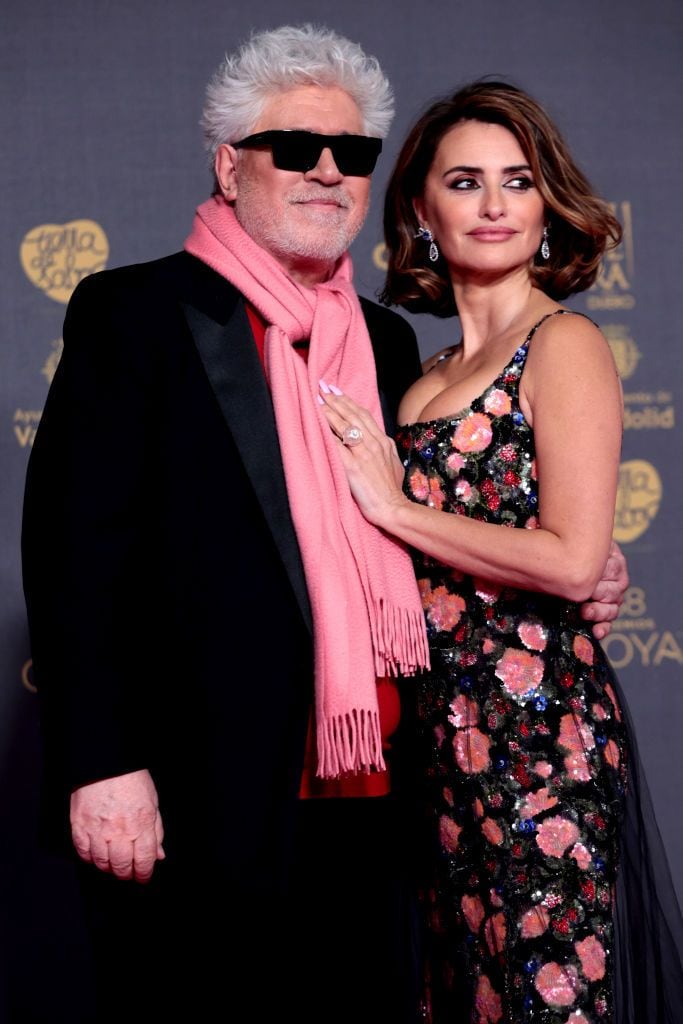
x,y
116,825
608,595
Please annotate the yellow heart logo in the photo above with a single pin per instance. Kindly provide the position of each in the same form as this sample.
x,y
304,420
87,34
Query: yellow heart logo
x,y
638,499
56,257
624,349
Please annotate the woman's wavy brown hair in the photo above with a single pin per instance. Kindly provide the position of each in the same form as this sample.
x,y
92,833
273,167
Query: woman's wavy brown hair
x,y
581,226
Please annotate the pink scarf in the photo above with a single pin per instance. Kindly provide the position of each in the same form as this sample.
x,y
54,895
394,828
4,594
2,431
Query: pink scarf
x,y
367,616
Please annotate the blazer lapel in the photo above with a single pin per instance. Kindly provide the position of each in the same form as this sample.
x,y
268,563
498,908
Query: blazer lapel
x,y
232,365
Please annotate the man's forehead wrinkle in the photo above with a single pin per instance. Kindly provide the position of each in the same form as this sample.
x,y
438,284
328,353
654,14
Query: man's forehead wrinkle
x,y
312,108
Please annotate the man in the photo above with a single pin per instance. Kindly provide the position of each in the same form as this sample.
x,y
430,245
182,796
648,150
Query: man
x,y
170,607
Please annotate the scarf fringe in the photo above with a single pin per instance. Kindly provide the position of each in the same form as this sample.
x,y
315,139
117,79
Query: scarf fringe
x,y
401,646
351,742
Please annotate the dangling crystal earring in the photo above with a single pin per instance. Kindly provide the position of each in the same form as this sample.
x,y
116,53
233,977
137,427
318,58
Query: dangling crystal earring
x,y
545,248
426,236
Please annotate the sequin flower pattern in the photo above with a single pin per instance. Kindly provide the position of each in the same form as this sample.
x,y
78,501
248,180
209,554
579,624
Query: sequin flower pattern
x,y
524,751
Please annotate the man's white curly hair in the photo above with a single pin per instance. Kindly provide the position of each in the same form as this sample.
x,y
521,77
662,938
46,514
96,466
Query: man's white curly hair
x,y
274,61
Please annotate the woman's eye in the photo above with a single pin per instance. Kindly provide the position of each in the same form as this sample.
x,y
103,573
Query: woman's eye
x,y
463,184
521,182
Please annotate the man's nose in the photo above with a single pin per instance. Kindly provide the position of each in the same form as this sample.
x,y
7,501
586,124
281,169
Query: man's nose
x,y
325,170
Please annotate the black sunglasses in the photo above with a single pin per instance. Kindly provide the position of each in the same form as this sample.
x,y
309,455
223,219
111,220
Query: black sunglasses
x,y
293,150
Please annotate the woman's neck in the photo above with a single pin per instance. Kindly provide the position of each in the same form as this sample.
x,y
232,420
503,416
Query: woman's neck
x,y
489,310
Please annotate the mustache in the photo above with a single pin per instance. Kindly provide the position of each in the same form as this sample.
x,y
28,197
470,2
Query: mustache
x,y
314,193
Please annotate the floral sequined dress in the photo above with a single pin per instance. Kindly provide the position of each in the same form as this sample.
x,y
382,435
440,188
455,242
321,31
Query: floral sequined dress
x,y
526,753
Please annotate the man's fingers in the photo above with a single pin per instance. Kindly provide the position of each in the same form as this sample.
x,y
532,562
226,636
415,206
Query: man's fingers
x,y
608,593
116,826
121,857
81,841
602,614
99,852
159,832
600,611
612,570
145,855
616,570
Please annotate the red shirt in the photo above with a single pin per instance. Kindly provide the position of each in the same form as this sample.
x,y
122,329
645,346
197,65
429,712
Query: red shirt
x,y
349,784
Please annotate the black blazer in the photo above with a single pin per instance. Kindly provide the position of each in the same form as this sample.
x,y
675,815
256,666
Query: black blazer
x,y
168,612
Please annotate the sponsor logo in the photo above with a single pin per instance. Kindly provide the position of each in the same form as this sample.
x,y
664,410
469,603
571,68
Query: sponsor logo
x,y
636,636
624,349
613,287
51,363
638,498
55,257
380,257
27,676
643,410
25,423
660,416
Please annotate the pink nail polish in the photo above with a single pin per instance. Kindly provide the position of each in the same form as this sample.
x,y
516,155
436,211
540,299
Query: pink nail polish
x,y
321,401
323,386
335,390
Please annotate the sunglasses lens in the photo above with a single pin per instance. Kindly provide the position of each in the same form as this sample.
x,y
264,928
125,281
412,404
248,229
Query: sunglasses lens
x,y
355,155
295,151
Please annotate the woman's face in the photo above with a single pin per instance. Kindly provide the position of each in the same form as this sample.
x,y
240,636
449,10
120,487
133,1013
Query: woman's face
x,y
481,203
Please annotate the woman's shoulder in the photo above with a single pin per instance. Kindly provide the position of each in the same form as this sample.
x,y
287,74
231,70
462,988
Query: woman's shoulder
x,y
565,334
564,322
567,351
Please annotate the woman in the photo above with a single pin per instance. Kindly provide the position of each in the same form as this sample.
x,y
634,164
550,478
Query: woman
x,y
530,781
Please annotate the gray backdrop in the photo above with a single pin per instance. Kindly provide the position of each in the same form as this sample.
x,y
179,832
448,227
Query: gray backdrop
x,y
102,166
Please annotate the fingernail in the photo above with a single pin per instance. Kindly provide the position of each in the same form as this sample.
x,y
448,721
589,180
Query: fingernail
x,y
335,390
321,401
323,386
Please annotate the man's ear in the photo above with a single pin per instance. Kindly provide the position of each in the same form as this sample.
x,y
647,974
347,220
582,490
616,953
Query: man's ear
x,y
225,167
